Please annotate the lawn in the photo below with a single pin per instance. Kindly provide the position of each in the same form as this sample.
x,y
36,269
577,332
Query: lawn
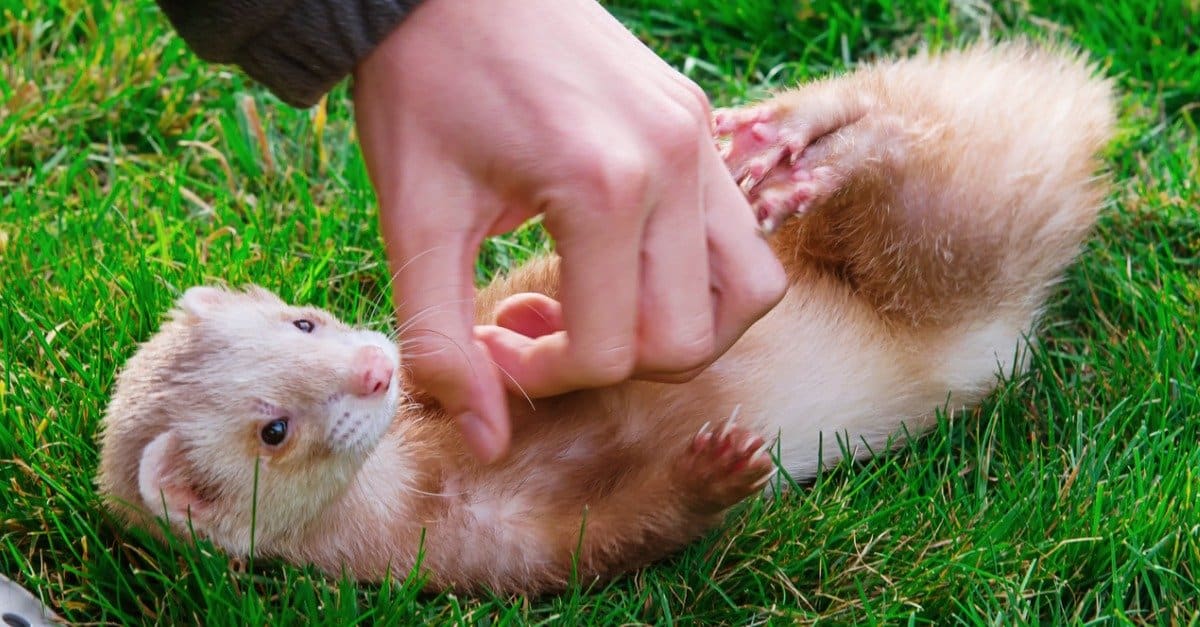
x,y
129,170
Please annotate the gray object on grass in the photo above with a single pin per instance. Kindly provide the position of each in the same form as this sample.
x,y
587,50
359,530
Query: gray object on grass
x,y
19,608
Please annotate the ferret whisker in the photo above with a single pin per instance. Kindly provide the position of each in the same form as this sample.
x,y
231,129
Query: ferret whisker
x,y
430,309
394,334
424,354
451,341
520,389
377,302
416,319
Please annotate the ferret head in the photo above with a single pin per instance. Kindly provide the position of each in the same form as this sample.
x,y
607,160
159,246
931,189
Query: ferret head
x,y
244,409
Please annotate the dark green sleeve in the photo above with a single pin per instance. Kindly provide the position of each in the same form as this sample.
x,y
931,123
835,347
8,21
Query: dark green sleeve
x,y
299,49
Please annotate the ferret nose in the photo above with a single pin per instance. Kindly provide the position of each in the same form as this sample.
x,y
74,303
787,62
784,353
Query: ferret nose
x,y
372,372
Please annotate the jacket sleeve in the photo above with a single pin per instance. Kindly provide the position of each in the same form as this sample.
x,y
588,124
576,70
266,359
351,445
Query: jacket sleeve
x,y
299,49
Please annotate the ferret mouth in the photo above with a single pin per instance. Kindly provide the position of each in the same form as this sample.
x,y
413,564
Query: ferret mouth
x,y
356,425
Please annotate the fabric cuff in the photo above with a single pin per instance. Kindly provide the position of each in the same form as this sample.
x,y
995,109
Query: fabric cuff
x,y
316,43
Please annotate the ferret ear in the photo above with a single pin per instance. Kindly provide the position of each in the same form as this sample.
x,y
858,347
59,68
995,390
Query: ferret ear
x,y
262,294
201,299
161,483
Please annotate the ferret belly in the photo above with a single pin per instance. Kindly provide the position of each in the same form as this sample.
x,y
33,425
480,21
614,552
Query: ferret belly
x,y
827,377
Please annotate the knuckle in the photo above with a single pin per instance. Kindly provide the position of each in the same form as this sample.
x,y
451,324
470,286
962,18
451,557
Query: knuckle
x,y
686,350
765,289
606,366
626,170
696,100
621,182
680,136
606,168
683,129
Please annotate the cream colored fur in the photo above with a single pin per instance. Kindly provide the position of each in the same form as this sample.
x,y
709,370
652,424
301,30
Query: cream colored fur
x,y
961,186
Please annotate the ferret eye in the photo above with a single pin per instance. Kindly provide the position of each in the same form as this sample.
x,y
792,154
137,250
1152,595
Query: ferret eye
x,y
304,325
274,432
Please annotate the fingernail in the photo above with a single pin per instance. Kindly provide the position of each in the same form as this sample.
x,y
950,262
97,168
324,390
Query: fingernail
x,y
479,436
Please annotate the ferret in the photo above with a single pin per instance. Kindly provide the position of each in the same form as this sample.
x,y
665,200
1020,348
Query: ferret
x,y
922,208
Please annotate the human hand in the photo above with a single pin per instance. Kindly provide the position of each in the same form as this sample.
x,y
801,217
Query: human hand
x,y
474,117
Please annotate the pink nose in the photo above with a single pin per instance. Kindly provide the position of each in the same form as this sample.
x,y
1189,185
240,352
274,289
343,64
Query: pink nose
x,y
372,373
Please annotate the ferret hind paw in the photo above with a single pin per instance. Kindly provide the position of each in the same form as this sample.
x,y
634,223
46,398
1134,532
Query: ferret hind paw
x,y
791,194
765,157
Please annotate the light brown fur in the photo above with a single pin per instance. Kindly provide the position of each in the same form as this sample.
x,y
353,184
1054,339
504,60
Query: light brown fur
x,y
960,186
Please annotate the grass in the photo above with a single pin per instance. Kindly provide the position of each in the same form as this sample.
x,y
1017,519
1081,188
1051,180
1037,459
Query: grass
x,y
130,170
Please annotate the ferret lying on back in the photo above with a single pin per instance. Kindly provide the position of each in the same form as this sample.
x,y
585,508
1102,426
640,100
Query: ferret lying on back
x,y
938,197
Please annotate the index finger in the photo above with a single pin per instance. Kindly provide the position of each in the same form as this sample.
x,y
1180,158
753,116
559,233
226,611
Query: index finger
x,y
747,276
599,294
433,290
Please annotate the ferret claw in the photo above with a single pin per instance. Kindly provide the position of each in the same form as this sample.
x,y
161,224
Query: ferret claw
x,y
766,158
729,121
700,441
765,480
726,465
756,169
787,196
727,427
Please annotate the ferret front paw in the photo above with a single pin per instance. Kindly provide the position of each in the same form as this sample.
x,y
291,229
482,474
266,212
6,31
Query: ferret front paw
x,y
726,465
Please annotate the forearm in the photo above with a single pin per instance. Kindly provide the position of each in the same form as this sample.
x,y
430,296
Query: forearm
x,y
297,48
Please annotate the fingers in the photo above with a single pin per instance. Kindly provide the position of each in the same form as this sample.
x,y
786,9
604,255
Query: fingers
x,y
433,267
599,295
676,311
747,278
705,279
530,314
